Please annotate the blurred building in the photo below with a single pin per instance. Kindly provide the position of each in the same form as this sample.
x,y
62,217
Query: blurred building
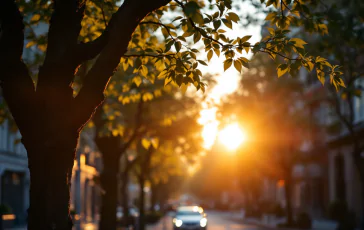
x,y
344,180
309,174
14,173
86,191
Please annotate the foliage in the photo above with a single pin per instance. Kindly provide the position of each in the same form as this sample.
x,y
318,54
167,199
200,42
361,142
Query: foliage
x,y
196,23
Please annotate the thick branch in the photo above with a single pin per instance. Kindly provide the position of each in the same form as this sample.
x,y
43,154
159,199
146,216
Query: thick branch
x,y
18,88
60,61
12,32
64,29
126,19
136,131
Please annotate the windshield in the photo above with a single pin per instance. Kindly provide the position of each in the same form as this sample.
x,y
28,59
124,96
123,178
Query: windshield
x,y
188,213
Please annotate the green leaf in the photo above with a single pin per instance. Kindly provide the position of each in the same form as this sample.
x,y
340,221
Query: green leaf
x,y
310,65
234,17
155,142
184,88
147,96
227,63
217,24
271,16
227,23
178,46
179,79
210,54
35,18
298,42
167,81
237,65
202,62
196,37
146,143
245,38
137,81
321,76
243,59
143,70
30,44
282,69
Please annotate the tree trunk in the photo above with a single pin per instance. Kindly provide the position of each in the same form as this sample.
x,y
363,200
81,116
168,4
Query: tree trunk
x,y
360,166
141,203
50,167
288,194
125,197
109,183
362,199
153,198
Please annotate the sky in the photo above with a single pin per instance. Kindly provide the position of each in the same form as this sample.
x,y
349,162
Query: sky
x,y
227,82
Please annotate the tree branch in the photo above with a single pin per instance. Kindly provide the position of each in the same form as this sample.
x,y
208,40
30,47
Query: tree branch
x,y
64,29
126,19
60,63
195,26
12,32
136,132
18,87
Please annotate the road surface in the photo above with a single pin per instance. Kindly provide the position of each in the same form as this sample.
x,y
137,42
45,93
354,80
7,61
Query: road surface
x,y
216,221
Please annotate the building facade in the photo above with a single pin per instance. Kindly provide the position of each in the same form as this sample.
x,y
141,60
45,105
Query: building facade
x,y
86,191
14,173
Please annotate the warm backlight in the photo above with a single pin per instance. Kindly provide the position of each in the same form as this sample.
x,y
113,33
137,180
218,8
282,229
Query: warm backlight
x,y
232,136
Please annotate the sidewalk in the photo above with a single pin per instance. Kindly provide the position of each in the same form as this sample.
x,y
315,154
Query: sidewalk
x,y
271,223
162,224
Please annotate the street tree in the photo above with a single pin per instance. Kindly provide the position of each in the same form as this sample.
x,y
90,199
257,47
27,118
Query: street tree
x,y
345,46
50,111
161,149
269,107
121,121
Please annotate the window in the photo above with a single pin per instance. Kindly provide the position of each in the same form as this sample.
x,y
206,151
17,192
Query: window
x,y
359,102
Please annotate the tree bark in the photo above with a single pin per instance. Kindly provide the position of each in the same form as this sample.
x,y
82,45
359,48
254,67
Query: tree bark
x,y
141,224
50,183
109,199
362,198
288,194
359,162
153,198
125,196
49,117
109,146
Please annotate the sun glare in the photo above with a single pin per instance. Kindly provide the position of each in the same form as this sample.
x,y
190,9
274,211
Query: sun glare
x,y
209,134
232,136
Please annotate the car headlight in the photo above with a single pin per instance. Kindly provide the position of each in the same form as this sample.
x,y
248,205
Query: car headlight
x,y
177,222
203,222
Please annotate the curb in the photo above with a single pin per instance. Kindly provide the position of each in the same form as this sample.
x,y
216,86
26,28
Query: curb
x,y
267,226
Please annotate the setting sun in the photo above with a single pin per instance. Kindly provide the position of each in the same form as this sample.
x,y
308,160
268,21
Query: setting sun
x,y
232,136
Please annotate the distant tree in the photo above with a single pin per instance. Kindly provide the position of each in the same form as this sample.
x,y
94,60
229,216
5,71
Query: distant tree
x,y
268,106
344,46
121,121
160,151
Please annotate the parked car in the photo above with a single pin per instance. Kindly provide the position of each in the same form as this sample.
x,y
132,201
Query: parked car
x,y
133,215
190,217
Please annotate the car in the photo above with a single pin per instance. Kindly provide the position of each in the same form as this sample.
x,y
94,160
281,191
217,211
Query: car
x,y
133,216
190,218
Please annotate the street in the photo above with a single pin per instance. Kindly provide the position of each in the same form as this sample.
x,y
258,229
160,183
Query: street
x,y
216,221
